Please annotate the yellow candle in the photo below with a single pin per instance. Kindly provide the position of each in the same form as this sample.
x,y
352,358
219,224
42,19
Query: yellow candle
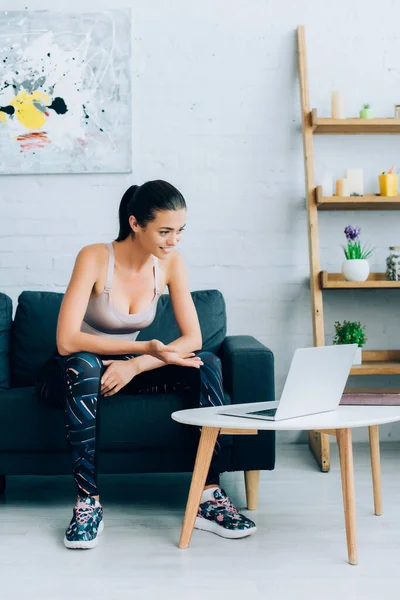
x,y
388,183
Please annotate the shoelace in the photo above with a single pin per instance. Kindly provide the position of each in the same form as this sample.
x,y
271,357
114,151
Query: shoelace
x,y
83,512
227,504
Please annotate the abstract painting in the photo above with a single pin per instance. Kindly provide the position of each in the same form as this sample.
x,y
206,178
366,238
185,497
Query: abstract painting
x,y
65,92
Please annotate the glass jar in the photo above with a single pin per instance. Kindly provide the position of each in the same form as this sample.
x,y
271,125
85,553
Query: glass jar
x,y
393,264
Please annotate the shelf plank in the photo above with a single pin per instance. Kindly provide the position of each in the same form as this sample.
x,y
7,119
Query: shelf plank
x,y
353,126
376,368
378,362
366,202
329,281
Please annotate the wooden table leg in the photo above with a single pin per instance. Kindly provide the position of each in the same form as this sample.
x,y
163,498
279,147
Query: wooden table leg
x,y
376,467
205,451
343,437
252,483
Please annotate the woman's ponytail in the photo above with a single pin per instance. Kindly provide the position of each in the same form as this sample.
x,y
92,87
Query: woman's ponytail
x,y
123,213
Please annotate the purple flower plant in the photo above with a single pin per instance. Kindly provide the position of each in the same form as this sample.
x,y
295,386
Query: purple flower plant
x,y
352,233
354,250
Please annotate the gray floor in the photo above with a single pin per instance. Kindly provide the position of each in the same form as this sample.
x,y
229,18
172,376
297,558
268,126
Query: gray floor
x,y
299,549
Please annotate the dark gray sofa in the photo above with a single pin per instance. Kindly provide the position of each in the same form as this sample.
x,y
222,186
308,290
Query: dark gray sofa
x,y
137,434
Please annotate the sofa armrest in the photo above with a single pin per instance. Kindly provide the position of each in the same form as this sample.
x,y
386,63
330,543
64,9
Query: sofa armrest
x,y
248,369
5,328
248,376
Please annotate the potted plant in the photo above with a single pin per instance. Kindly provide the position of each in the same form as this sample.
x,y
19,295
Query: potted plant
x,y
356,266
351,332
366,112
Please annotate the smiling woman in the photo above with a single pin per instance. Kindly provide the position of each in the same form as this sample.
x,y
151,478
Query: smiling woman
x,y
112,296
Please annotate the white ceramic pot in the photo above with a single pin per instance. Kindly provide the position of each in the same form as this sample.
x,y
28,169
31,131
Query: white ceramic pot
x,y
357,360
356,269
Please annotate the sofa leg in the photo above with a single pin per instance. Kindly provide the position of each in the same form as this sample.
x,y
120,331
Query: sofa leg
x,y
2,484
252,480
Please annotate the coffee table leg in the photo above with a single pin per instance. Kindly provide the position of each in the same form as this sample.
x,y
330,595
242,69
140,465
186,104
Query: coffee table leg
x,y
205,451
343,437
376,467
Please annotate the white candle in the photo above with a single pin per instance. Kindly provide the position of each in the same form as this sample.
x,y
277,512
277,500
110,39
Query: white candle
x,y
355,181
337,105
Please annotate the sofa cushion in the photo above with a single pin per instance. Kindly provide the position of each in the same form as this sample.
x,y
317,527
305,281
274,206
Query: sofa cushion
x,y
34,328
127,423
5,327
33,338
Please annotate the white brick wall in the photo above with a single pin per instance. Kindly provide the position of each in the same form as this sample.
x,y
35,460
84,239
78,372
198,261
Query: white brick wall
x,y
216,112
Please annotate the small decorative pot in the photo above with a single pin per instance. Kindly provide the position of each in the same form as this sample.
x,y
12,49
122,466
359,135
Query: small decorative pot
x,y
393,264
357,360
366,113
355,269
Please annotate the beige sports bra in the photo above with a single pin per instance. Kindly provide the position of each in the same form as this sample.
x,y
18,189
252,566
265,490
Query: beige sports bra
x,y
102,318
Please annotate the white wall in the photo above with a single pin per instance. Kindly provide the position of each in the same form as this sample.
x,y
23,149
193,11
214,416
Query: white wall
x,y
216,112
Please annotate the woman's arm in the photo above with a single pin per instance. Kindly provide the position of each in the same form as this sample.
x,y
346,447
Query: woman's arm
x,y
70,339
185,315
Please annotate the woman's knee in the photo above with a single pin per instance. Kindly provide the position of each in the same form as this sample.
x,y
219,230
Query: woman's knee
x,y
210,360
207,356
83,364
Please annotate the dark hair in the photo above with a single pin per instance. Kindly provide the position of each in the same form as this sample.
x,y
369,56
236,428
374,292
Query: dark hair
x,y
143,201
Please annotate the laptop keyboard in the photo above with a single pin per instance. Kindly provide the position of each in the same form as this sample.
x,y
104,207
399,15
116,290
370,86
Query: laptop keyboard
x,y
270,412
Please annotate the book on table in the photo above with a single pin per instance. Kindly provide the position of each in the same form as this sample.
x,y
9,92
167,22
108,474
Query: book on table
x,y
371,399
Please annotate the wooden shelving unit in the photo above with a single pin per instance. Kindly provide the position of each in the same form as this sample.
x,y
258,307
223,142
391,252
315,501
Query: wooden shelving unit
x,y
378,362
336,281
374,362
353,126
366,202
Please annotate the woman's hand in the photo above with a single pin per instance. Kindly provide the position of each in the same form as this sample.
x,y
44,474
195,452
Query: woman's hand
x,y
159,350
117,375
172,356
184,360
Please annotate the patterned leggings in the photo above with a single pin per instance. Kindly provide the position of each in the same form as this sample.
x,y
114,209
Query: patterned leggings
x,y
75,381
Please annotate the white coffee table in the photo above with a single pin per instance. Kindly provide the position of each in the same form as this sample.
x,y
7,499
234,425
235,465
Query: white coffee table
x,y
338,423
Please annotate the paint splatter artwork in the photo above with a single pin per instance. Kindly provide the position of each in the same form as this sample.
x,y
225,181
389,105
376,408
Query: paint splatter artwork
x,y
65,92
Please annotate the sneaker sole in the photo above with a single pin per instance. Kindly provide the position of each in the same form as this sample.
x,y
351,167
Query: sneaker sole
x,y
85,545
213,527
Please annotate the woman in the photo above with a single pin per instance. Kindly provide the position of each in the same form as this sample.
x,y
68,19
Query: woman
x,y
112,295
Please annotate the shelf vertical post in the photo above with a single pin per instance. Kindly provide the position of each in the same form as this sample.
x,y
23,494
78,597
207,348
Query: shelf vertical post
x,y
319,442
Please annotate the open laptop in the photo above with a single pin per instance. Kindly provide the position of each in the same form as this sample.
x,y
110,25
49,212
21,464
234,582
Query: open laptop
x,y
314,384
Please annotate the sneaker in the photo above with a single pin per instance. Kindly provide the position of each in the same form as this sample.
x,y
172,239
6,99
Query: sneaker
x,y
86,524
221,517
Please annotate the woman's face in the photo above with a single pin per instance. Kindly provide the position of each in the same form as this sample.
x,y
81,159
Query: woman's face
x,y
160,236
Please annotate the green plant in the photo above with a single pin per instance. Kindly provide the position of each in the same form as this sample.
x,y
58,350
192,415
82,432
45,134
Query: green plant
x,y
367,106
350,332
